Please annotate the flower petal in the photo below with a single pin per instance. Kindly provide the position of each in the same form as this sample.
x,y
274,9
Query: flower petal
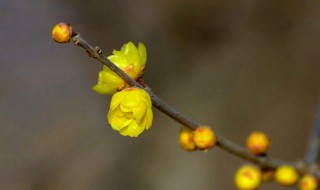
x,y
133,58
131,51
132,130
117,120
145,98
129,101
149,118
139,111
119,59
143,53
108,82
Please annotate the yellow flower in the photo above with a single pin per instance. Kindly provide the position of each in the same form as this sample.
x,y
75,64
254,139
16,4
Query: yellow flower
x,y
130,59
130,111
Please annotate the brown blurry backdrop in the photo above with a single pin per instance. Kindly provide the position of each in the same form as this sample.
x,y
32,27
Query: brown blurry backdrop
x,y
235,65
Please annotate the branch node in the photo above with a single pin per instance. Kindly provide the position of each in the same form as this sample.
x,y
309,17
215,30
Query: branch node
x,y
98,50
76,39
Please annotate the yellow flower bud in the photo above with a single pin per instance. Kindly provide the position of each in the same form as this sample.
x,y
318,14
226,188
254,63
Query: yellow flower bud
x,y
62,32
308,182
130,111
258,143
186,139
286,175
204,137
248,177
130,59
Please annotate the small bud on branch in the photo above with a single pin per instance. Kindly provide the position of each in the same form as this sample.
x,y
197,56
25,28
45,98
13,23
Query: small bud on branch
x,y
62,32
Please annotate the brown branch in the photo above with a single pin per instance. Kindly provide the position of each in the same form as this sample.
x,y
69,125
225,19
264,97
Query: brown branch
x,y
223,143
313,150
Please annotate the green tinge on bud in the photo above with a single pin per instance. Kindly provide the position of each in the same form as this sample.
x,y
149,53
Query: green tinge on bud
x,y
62,32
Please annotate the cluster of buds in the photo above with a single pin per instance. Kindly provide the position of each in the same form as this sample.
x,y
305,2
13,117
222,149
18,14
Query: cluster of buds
x,y
288,176
203,138
249,177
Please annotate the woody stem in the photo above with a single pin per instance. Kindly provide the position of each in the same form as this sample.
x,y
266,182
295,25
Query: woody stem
x,y
223,142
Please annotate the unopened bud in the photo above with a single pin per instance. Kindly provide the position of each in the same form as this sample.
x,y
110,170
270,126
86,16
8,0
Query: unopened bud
x,y
62,32
258,143
186,139
204,137
248,177
286,175
308,182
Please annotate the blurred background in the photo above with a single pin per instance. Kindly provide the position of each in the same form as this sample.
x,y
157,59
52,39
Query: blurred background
x,y
237,66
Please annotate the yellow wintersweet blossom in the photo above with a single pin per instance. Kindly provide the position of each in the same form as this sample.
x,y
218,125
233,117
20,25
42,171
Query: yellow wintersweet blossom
x,y
130,111
130,59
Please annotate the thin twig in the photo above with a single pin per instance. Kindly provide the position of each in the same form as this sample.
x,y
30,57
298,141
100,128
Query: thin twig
x,y
223,143
313,150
